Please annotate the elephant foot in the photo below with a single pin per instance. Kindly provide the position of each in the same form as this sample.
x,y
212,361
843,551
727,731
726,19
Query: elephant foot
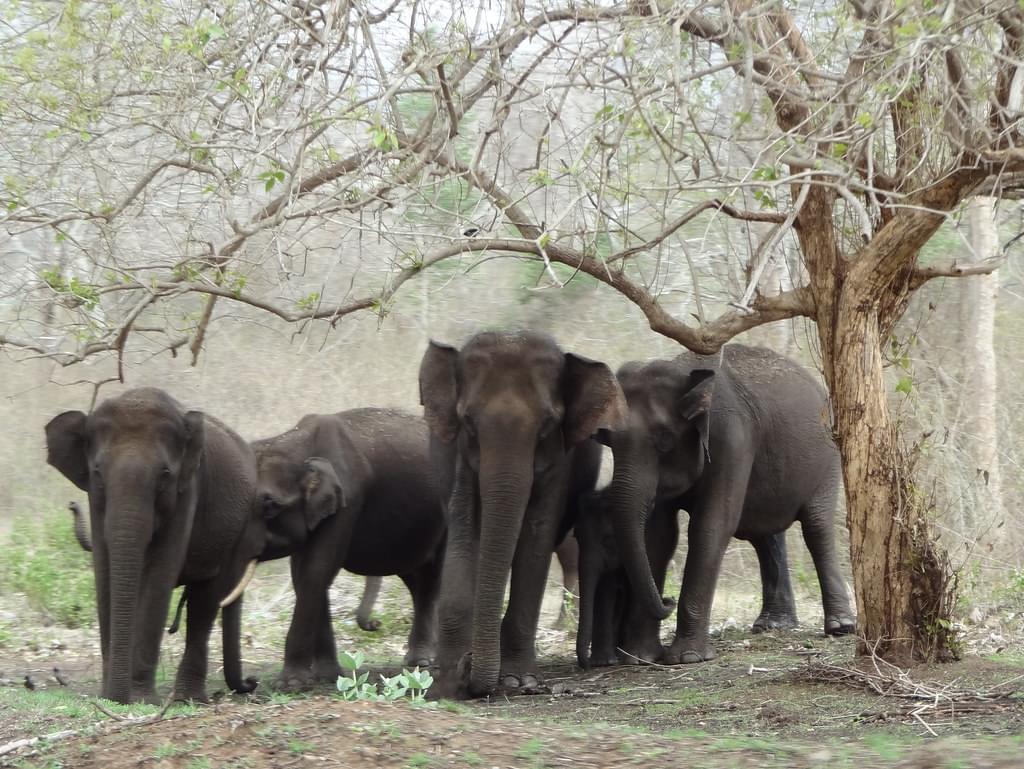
x,y
326,670
639,655
769,621
420,655
248,685
841,624
192,694
418,661
292,680
369,625
148,696
603,658
689,651
521,683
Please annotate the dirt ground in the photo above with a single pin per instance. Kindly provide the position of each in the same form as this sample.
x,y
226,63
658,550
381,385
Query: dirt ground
x,y
770,700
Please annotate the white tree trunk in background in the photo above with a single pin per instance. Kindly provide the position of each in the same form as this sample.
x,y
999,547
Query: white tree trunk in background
x,y
979,427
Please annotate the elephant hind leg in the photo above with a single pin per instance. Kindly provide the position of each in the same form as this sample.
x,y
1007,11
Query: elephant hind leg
x,y
778,606
816,524
203,604
424,586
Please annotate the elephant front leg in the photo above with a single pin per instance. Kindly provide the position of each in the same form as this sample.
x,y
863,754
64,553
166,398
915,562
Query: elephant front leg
x,y
458,589
157,585
707,542
325,653
310,580
529,578
778,606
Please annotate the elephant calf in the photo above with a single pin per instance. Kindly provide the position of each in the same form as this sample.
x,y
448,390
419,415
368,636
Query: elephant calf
x,y
351,490
741,442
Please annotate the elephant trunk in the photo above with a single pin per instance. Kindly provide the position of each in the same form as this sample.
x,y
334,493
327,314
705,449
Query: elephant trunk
x,y
127,545
81,530
231,631
630,496
505,483
590,575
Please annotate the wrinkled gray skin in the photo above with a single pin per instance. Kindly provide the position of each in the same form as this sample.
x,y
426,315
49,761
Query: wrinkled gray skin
x,y
170,503
510,416
351,490
741,442
612,628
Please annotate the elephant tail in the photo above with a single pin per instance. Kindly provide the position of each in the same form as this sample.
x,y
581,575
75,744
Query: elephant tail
x,y
81,530
177,613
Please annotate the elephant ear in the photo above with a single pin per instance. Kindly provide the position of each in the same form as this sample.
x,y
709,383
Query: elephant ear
x,y
195,443
321,491
695,404
593,400
66,445
439,390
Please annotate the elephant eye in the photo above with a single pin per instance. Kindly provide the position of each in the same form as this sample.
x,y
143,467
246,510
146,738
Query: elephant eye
x,y
548,424
664,440
165,477
271,507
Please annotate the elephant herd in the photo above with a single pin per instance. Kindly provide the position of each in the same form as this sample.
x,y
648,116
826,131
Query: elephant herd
x,y
463,504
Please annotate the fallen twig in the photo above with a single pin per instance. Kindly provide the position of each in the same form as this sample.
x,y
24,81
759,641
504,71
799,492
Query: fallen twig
x,y
916,700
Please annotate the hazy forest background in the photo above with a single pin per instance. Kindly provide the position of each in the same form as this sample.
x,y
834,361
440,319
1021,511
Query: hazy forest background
x,y
269,209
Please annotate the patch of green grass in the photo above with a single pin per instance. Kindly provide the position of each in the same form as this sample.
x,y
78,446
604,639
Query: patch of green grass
x,y
299,747
472,758
452,706
530,749
887,746
168,750
420,760
725,743
44,562
41,707
201,762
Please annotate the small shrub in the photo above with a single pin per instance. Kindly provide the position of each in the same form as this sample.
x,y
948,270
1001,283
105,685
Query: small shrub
x,y
409,684
44,562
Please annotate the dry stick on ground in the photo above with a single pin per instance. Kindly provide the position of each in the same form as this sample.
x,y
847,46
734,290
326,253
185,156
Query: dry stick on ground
x,y
916,699
121,721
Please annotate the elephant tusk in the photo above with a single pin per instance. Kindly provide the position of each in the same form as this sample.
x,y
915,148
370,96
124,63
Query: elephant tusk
x,y
243,583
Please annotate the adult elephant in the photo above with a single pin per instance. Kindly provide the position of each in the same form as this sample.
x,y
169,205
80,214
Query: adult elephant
x,y
170,503
613,629
351,490
510,416
740,441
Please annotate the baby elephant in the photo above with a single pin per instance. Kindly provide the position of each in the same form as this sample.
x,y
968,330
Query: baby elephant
x,y
351,490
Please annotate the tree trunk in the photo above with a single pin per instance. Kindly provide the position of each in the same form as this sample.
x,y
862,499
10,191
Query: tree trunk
x,y
983,517
904,588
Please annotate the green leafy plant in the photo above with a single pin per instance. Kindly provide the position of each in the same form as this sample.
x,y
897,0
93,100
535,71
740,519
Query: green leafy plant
x,y
74,289
409,685
46,565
